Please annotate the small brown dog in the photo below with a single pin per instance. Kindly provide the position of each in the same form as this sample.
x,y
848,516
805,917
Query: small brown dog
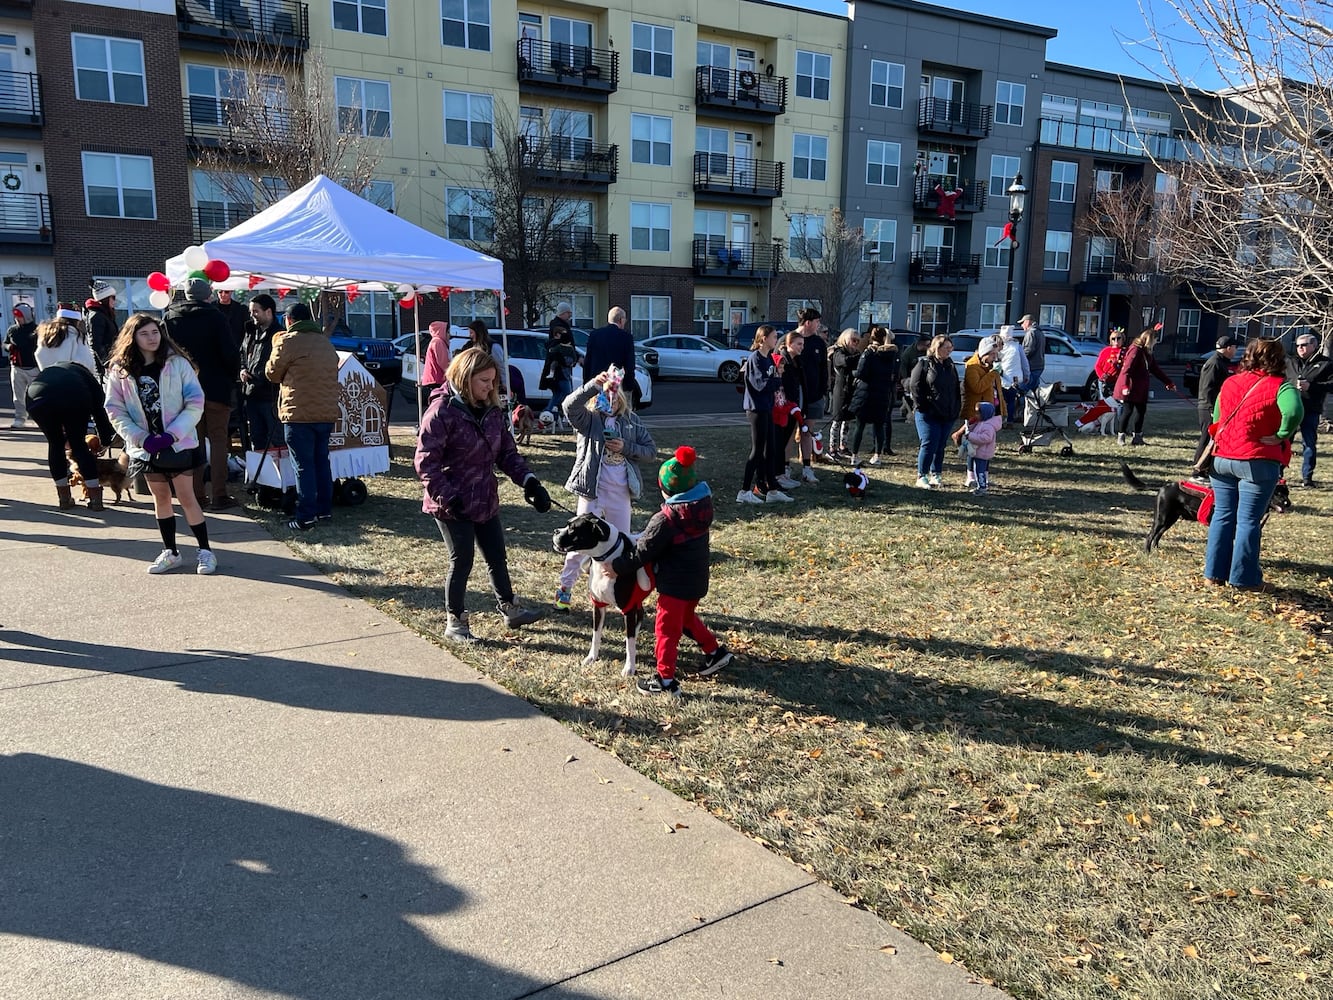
x,y
111,472
524,424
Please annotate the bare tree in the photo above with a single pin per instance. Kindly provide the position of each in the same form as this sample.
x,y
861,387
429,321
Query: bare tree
x,y
1255,168
833,269
277,124
520,205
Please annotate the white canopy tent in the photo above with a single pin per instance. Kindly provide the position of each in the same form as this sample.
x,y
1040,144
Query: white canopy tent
x,y
324,236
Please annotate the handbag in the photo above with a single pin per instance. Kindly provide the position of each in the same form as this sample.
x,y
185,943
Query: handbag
x,y
1204,465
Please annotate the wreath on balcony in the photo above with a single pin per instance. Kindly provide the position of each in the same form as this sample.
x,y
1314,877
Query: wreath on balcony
x,y
748,80
12,181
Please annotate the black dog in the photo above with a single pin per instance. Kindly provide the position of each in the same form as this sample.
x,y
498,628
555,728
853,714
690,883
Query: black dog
x,y
1185,498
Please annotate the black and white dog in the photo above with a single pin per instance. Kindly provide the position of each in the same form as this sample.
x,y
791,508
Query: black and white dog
x,y
1194,500
603,542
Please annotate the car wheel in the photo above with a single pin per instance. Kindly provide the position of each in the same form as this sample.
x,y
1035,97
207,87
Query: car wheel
x,y
1090,389
729,372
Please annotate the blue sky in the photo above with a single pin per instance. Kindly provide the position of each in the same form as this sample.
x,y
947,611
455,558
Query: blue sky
x,y
1100,35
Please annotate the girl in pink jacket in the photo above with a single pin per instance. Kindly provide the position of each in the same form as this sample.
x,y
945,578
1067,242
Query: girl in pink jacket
x,y
981,438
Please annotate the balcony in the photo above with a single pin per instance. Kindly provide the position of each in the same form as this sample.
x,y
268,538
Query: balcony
x,y
215,218
1115,141
953,119
558,69
729,178
240,127
582,251
222,25
20,102
742,95
719,261
25,222
925,200
559,161
939,267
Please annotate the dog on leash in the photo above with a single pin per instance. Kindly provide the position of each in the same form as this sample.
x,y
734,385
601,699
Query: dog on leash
x,y
1098,417
111,472
524,423
1187,498
602,542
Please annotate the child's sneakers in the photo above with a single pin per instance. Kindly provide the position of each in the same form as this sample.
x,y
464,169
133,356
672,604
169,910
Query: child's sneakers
x,y
808,475
165,562
749,496
786,482
656,684
562,598
715,661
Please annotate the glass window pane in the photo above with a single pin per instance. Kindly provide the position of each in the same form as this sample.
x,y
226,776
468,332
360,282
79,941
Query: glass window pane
x,y
136,172
89,52
126,57
94,85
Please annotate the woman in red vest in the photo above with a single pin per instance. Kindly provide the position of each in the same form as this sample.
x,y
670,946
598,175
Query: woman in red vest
x,y
1254,418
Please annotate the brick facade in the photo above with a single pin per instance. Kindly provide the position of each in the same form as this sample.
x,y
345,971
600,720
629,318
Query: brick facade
x,y
86,246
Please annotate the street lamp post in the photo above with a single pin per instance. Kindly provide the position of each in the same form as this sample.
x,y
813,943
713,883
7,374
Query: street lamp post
x,y
873,251
1018,197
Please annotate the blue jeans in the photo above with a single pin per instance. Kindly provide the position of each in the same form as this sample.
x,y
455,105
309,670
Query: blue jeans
x,y
934,435
560,388
309,448
1034,380
1241,491
1309,436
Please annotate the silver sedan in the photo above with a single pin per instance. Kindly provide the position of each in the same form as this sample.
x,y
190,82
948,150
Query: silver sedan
x,y
682,356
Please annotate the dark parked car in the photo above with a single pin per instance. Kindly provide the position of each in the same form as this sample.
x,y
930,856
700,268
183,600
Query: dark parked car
x,y
381,358
1190,380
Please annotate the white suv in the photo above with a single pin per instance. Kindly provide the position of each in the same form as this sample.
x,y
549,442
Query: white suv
x,y
1064,363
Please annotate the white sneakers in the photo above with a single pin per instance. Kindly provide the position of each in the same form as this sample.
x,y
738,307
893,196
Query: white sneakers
x,y
165,562
777,496
808,475
874,460
786,482
935,480
208,563
748,496
922,483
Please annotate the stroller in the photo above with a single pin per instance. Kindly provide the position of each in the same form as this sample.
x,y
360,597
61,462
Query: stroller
x,y
1043,420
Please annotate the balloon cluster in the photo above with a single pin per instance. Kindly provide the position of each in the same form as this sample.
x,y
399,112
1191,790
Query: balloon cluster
x,y
196,259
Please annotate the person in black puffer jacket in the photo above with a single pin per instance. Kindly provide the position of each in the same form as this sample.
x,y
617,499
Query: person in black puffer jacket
x,y
937,398
100,322
872,394
842,367
21,346
202,332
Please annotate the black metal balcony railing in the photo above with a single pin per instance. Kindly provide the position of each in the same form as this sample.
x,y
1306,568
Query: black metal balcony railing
x,y
560,65
719,258
719,174
559,159
939,267
24,218
925,197
220,121
582,249
954,118
20,98
284,23
215,218
740,90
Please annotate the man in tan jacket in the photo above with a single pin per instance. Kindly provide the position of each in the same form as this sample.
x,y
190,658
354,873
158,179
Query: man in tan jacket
x,y
305,365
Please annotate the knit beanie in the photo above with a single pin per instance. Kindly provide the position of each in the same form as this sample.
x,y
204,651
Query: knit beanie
x,y
199,290
23,313
677,473
986,410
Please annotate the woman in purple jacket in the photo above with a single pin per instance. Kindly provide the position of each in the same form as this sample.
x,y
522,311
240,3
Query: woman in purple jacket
x,y
464,435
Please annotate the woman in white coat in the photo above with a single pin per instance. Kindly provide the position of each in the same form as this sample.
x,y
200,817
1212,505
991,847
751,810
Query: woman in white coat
x,y
62,339
1014,371
154,399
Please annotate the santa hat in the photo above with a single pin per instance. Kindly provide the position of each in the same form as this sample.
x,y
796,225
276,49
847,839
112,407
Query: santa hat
x,y
677,473
856,482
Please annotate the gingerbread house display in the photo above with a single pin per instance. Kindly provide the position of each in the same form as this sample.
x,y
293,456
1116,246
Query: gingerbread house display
x,y
359,444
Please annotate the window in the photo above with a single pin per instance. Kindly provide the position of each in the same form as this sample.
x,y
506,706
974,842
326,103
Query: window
x,y
1165,188
809,156
650,315
371,315
1058,246
379,193
1101,255
931,318
363,106
712,54
1051,315
711,226
1106,180
467,119
584,307
1187,327
882,159
117,186
992,315
710,318
881,233
467,23
650,140
464,307
365,16
131,294
1064,179
1238,323
649,226
109,69
794,307
1009,101
886,84
805,237
652,48
1002,170
221,200
814,71
715,142
1059,108
469,214
998,248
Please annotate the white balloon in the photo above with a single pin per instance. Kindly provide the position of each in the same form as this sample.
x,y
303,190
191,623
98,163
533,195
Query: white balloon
x,y
406,291
159,300
195,258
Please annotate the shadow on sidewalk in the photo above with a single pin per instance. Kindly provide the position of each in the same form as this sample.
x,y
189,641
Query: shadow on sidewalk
x,y
270,898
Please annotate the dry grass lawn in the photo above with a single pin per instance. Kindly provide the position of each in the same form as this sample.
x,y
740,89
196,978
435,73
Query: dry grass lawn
x,y
994,721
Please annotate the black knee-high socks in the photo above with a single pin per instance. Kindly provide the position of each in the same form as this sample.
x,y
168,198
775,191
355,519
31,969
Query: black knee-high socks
x,y
167,525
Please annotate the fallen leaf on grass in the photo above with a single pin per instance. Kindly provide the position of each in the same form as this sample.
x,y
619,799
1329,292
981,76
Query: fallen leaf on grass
x,y
946,958
1189,951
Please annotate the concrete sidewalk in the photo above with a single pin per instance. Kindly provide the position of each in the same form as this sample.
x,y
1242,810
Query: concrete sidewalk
x,y
254,785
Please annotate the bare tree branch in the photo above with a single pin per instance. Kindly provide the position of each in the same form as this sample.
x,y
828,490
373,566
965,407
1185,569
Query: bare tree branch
x,y
834,270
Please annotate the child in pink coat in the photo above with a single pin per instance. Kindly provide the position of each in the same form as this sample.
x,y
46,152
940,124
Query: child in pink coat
x,y
982,436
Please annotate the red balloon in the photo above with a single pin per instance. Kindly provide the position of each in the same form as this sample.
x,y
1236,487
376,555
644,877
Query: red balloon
x,y
158,281
217,270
